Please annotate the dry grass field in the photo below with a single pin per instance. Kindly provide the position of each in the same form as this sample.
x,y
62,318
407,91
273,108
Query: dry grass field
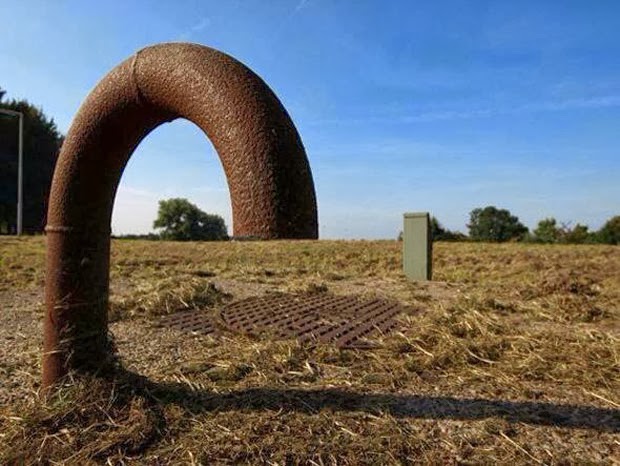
x,y
511,356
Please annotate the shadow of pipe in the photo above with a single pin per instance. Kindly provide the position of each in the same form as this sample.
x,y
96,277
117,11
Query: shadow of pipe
x,y
396,405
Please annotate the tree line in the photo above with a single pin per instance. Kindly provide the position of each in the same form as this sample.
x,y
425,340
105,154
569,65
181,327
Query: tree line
x,y
42,141
180,220
499,225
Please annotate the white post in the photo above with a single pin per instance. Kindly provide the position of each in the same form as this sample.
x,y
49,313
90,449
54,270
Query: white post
x,y
20,177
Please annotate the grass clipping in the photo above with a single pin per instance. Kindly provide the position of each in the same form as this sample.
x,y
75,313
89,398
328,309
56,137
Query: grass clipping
x,y
514,357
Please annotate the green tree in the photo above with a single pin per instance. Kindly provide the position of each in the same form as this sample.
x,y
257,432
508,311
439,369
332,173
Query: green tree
x,y
610,232
180,220
439,233
42,142
493,224
579,234
437,229
547,231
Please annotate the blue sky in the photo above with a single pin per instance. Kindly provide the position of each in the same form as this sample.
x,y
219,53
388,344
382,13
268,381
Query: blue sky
x,y
402,106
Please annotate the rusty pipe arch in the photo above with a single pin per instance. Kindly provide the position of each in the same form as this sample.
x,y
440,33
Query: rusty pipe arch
x,y
268,174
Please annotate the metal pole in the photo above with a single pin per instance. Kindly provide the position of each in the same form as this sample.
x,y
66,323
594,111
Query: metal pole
x,y
20,165
20,176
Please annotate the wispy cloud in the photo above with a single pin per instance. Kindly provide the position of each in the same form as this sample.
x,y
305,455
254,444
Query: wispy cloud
x,y
211,189
609,101
568,104
300,6
128,191
200,25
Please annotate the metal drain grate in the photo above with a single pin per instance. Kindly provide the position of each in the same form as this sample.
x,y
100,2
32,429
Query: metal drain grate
x,y
191,321
347,321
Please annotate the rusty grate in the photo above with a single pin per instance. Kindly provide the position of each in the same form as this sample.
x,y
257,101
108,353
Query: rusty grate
x,y
347,321
191,321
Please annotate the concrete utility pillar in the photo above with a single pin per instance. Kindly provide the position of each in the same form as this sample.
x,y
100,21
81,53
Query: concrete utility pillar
x,y
417,246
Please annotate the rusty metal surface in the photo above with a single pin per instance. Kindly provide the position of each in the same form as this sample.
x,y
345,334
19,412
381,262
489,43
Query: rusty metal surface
x,y
347,321
269,178
198,322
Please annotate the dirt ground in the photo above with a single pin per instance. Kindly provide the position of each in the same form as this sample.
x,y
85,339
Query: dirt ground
x,y
511,354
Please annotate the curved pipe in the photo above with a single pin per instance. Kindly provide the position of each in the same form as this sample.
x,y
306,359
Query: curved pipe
x,y
268,174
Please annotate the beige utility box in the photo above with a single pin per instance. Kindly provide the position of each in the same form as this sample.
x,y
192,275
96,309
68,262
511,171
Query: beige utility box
x,y
417,246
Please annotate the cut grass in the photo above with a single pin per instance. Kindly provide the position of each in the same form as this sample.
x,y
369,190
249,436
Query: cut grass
x,y
513,356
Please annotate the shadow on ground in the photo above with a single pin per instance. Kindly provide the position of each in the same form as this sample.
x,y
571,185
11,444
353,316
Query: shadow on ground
x,y
125,413
401,406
